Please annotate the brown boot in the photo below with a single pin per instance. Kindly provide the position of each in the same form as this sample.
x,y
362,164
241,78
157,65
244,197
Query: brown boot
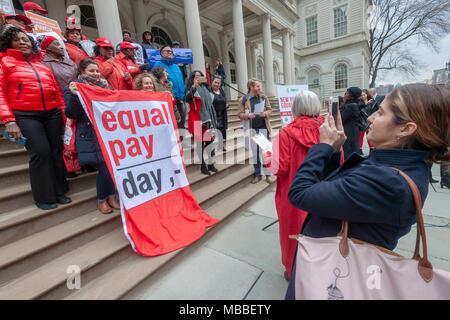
x,y
256,180
104,207
114,203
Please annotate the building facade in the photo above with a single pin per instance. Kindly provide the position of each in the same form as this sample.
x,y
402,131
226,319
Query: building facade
x,y
322,43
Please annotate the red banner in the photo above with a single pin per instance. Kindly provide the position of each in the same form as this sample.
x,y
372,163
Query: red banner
x,y
138,136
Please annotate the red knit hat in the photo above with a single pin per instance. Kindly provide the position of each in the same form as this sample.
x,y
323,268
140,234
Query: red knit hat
x,y
46,42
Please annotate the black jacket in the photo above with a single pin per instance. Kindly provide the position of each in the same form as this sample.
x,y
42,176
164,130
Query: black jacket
x,y
89,152
374,105
350,116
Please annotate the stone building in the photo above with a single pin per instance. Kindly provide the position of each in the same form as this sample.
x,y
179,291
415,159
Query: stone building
x,y
322,43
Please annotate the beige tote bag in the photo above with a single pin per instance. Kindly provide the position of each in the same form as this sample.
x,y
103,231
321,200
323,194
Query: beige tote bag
x,y
339,268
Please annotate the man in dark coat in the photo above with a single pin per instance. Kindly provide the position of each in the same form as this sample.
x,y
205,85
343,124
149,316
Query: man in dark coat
x,y
375,104
350,116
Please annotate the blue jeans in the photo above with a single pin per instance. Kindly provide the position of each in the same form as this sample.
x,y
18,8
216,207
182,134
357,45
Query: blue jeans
x,y
258,151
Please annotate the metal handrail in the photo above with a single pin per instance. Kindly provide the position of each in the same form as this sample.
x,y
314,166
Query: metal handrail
x,y
226,84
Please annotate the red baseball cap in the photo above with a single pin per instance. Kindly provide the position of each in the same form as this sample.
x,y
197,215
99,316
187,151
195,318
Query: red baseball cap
x,y
127,45
28,6
25,19
103,42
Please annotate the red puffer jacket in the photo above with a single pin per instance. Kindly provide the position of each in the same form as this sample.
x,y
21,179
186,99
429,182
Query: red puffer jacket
x,y
75,53
27,86
114,74
128,64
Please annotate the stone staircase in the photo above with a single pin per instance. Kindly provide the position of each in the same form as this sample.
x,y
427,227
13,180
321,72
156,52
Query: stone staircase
x,y
37,247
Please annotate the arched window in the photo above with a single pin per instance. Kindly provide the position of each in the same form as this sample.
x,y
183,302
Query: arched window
x,y
160,37
259,71
313,79
341,77
231,57
275,73
205,51
88,16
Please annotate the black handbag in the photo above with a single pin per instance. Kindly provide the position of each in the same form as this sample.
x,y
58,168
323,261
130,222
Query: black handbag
x,y
363,123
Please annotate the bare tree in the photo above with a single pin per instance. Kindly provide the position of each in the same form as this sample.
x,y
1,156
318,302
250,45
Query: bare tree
x,y
393,22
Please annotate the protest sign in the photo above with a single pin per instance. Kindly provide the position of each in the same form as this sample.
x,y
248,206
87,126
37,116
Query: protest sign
x,y
142,149
263,142
286,95
181,56
7,7
43,24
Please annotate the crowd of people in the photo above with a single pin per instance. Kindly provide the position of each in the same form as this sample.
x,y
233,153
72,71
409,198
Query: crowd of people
x,y
39,93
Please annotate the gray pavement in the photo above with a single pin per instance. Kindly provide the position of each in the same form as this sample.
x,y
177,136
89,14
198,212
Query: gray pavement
x,y
237,260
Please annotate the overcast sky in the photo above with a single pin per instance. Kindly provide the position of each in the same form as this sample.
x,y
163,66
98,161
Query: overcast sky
x,y
426,56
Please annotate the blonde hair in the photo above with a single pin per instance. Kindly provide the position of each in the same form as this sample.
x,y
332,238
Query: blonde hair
x,y
140,78
251,83
306,103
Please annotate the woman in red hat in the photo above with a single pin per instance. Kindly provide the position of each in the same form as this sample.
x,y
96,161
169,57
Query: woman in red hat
x,y
34,8
73,46
115,73
126,58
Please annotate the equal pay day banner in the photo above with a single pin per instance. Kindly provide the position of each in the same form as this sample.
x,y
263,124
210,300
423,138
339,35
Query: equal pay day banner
x,y
139,141
286,95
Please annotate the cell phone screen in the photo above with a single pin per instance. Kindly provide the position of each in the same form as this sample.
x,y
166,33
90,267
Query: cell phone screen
x,y
334,105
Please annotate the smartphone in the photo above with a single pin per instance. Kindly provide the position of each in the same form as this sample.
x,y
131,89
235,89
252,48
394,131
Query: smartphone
x,y
202,80
334,105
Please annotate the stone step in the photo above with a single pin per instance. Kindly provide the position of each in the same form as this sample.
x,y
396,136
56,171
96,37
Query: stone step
x,y
13,157
119,281
43,241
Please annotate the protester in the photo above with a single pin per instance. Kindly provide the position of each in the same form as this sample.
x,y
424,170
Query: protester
x,y
350,117
34,8
202,117
220,70
145,82
220,106
373,106
126,36
176,45
147,41
116,74
89,152
258,123
176,77
31,106
71,22
126,58
64,69
73,46
19,21
163,84
366,98
410,128
289,150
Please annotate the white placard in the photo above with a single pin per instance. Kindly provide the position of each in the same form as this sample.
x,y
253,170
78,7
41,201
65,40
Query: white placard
x,y
259,107
263,143
286,95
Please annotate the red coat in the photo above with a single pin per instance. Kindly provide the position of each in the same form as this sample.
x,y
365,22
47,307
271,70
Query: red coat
x,y
195,126
114,74
289,150
26,85
75,53
127,64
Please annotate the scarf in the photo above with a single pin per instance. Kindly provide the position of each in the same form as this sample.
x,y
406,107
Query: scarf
x,y
207,111
102,83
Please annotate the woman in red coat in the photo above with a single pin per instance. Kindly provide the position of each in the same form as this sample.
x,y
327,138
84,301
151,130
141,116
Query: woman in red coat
x,y
126,58
289,149
73,46
31,105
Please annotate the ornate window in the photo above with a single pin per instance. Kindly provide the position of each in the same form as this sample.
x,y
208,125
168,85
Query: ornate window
x,y
230,55
313,79
340,21
205,51
161,37
341,77
259,71
311,31
88,16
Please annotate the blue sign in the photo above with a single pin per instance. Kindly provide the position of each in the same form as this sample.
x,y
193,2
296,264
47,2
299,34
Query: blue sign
x,y
182,56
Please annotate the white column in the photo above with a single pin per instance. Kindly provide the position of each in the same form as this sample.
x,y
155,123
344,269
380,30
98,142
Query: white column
x,y
194,33
239,46
225,61
140,21
57,10
268,55
108,20
293,64
287,69
253,60
249,61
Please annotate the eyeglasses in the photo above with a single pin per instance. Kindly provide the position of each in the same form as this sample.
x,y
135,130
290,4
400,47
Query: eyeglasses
x,y
169,51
